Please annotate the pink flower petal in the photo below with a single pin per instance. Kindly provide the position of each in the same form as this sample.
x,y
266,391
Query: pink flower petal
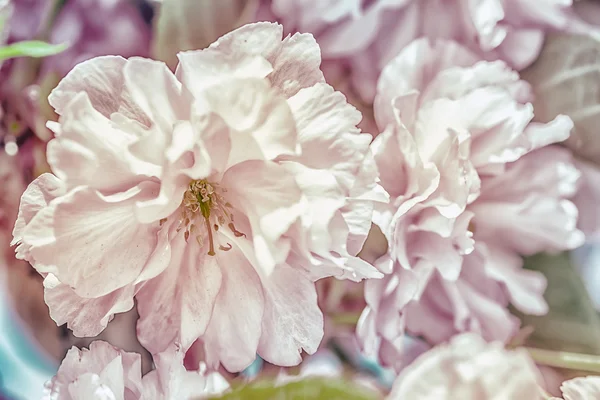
x,y
587,388
292,321
234,330
177,305
84,316
252,109
35,198
469,369
89,151
96,240
102,372
103,80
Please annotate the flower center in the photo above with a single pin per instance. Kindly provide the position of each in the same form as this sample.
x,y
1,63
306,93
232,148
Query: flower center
x,y
204,204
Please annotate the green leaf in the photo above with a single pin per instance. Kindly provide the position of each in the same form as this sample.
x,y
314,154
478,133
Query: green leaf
x,y
314,389
572,324
32,48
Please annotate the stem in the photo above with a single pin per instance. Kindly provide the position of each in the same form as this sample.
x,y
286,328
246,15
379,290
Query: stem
x,y
345,318
566,360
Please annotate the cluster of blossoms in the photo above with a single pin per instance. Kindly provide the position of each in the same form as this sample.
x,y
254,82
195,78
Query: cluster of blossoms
x,y
228,200
473,182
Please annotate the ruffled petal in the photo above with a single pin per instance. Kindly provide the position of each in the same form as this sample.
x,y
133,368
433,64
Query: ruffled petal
x,y
176,306
585,388
36,197
515,214
89,151
261,122
292,321
170,379
234,330
412,70
268,195
94,242
98,373
103,80
468,368
84,316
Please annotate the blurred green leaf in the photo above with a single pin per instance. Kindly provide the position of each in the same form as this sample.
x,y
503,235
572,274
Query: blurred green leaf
x,y
314,389
572,324
32,48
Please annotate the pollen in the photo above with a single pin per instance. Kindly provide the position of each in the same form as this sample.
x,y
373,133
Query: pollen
x,y
205,210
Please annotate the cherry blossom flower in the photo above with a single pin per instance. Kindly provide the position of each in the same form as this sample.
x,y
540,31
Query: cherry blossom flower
x,y
586,388
362,36
170,380
216,196
100,373
474,186
106,373
468,368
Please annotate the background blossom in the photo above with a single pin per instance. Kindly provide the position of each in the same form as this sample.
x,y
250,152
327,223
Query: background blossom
x,y
102,372
362,37
462,214
469,368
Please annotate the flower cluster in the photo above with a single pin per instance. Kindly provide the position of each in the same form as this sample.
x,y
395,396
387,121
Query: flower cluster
x,y
472,182
230,197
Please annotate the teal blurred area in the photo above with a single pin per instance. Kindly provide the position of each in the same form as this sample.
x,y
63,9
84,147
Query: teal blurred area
x,y
24,367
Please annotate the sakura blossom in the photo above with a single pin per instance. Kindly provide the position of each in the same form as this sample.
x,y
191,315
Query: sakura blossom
x,y
216,196
468,368
474,186
362,36
98,373
103,372
583,388
170,380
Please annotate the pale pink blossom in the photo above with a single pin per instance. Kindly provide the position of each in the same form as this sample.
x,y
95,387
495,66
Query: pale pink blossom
x,y
106,373
474,186
216,196
468,368
100,373
586,388
362,36
170,380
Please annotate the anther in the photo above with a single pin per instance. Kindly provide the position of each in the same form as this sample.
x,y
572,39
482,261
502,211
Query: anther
x,y
235,231
221,247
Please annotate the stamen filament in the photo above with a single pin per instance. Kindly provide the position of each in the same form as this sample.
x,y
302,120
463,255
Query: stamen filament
x,y
211,250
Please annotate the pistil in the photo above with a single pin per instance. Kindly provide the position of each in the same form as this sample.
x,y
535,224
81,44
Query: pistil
x,y
205,200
